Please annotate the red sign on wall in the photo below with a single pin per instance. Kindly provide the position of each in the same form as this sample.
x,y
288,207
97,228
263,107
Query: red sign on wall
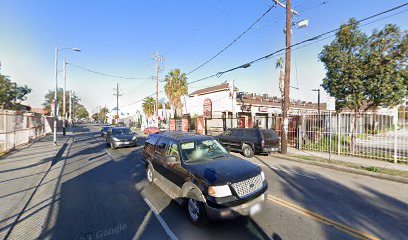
x,y
184,125
207,107
172,124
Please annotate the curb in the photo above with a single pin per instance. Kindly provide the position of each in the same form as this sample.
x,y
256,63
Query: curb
x,y
347,169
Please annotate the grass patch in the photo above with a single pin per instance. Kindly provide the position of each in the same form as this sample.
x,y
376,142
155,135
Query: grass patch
x,y
355,166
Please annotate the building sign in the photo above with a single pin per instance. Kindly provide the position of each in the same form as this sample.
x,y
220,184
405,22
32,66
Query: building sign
x,y
262,109
207,108
246,108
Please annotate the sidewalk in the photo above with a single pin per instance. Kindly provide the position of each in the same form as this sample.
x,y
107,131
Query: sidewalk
x,y
20,172
366,162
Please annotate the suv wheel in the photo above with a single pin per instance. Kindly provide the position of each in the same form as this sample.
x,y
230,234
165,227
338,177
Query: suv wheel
x,y
149,174
247,151
196,210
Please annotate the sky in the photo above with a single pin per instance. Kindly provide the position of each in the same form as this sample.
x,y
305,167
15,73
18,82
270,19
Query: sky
x,y
119,37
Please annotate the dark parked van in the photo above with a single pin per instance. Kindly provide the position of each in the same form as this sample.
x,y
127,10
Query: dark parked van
x,y
250,141
199,173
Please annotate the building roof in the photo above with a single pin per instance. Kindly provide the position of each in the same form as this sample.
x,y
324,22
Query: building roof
x,y
40,111
217,88
278,103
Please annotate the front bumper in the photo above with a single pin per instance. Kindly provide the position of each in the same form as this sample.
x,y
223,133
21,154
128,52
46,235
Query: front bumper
x,y
249,208
268,149
125,144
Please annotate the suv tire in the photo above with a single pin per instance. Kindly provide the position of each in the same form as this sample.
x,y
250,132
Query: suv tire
x,y
247,151
149,174
196,210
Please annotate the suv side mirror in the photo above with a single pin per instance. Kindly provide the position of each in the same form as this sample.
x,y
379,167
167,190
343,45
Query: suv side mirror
x,y
228,148
171,160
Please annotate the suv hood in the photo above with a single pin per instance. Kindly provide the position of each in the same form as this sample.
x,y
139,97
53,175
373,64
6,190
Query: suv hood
x,y
228,169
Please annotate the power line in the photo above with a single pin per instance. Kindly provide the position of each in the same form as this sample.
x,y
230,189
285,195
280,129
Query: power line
x,y
105,74
316,38
234,41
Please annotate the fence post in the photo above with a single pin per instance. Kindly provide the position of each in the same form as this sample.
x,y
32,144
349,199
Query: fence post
x,y
395,145
338,134
330,140
205,123
299,137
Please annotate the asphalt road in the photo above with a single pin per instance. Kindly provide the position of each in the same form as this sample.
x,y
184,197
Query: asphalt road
x,y
94,192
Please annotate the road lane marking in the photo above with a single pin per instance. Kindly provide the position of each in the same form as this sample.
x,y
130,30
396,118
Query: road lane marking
x,y
161,220
339,226
287,171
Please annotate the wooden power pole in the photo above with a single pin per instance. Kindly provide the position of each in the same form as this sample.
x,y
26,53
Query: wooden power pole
x,y
117,100
286,86
158,59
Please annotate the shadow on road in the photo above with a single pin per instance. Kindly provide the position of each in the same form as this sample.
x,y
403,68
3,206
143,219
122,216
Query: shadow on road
x,y
367,210
107,202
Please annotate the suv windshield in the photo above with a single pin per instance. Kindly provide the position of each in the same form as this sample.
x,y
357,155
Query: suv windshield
x,y
121,131
202,150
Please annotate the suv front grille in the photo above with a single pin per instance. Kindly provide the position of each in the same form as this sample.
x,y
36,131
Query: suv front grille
x,y
248,186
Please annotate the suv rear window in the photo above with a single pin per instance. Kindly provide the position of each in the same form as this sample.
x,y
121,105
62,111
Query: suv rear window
x,y
250,133
161,145
268,134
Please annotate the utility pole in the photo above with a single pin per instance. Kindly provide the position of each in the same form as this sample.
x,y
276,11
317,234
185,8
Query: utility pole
x,y
158,59
286,87
117,100
64,111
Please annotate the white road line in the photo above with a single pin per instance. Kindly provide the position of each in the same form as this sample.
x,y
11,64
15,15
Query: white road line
x,y
278,169
162,222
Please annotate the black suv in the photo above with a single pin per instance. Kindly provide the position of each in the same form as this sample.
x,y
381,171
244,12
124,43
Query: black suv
x,y
250,140
198,172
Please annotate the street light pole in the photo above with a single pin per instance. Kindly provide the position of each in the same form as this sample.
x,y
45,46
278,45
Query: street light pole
x,y
64,124
56,91
55,97
318,99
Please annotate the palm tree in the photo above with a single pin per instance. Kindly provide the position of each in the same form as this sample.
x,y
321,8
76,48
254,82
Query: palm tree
x,y
176,86
279,64
148,106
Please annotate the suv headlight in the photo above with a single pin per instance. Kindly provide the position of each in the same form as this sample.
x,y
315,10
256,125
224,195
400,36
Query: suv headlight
x,y
219,191
262,176
134,137
115,139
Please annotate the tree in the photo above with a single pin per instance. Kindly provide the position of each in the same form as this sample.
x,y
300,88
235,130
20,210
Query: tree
x,y
49,98
345,70
80,112
386,79
176,86
103,114
344,64
148,106
95,116
279,64
10,93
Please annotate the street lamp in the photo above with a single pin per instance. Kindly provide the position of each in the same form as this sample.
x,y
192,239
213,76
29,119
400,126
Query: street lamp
x,y
56,91
318,99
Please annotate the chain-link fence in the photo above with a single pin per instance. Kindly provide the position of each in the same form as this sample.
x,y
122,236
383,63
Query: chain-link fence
x,y
17,128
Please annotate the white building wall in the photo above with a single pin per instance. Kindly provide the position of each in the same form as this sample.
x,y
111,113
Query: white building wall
x,y
221,102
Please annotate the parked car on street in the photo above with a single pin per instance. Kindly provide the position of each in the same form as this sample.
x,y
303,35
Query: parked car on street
x,y
250,141
120,137
104,130
151,130
197,172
